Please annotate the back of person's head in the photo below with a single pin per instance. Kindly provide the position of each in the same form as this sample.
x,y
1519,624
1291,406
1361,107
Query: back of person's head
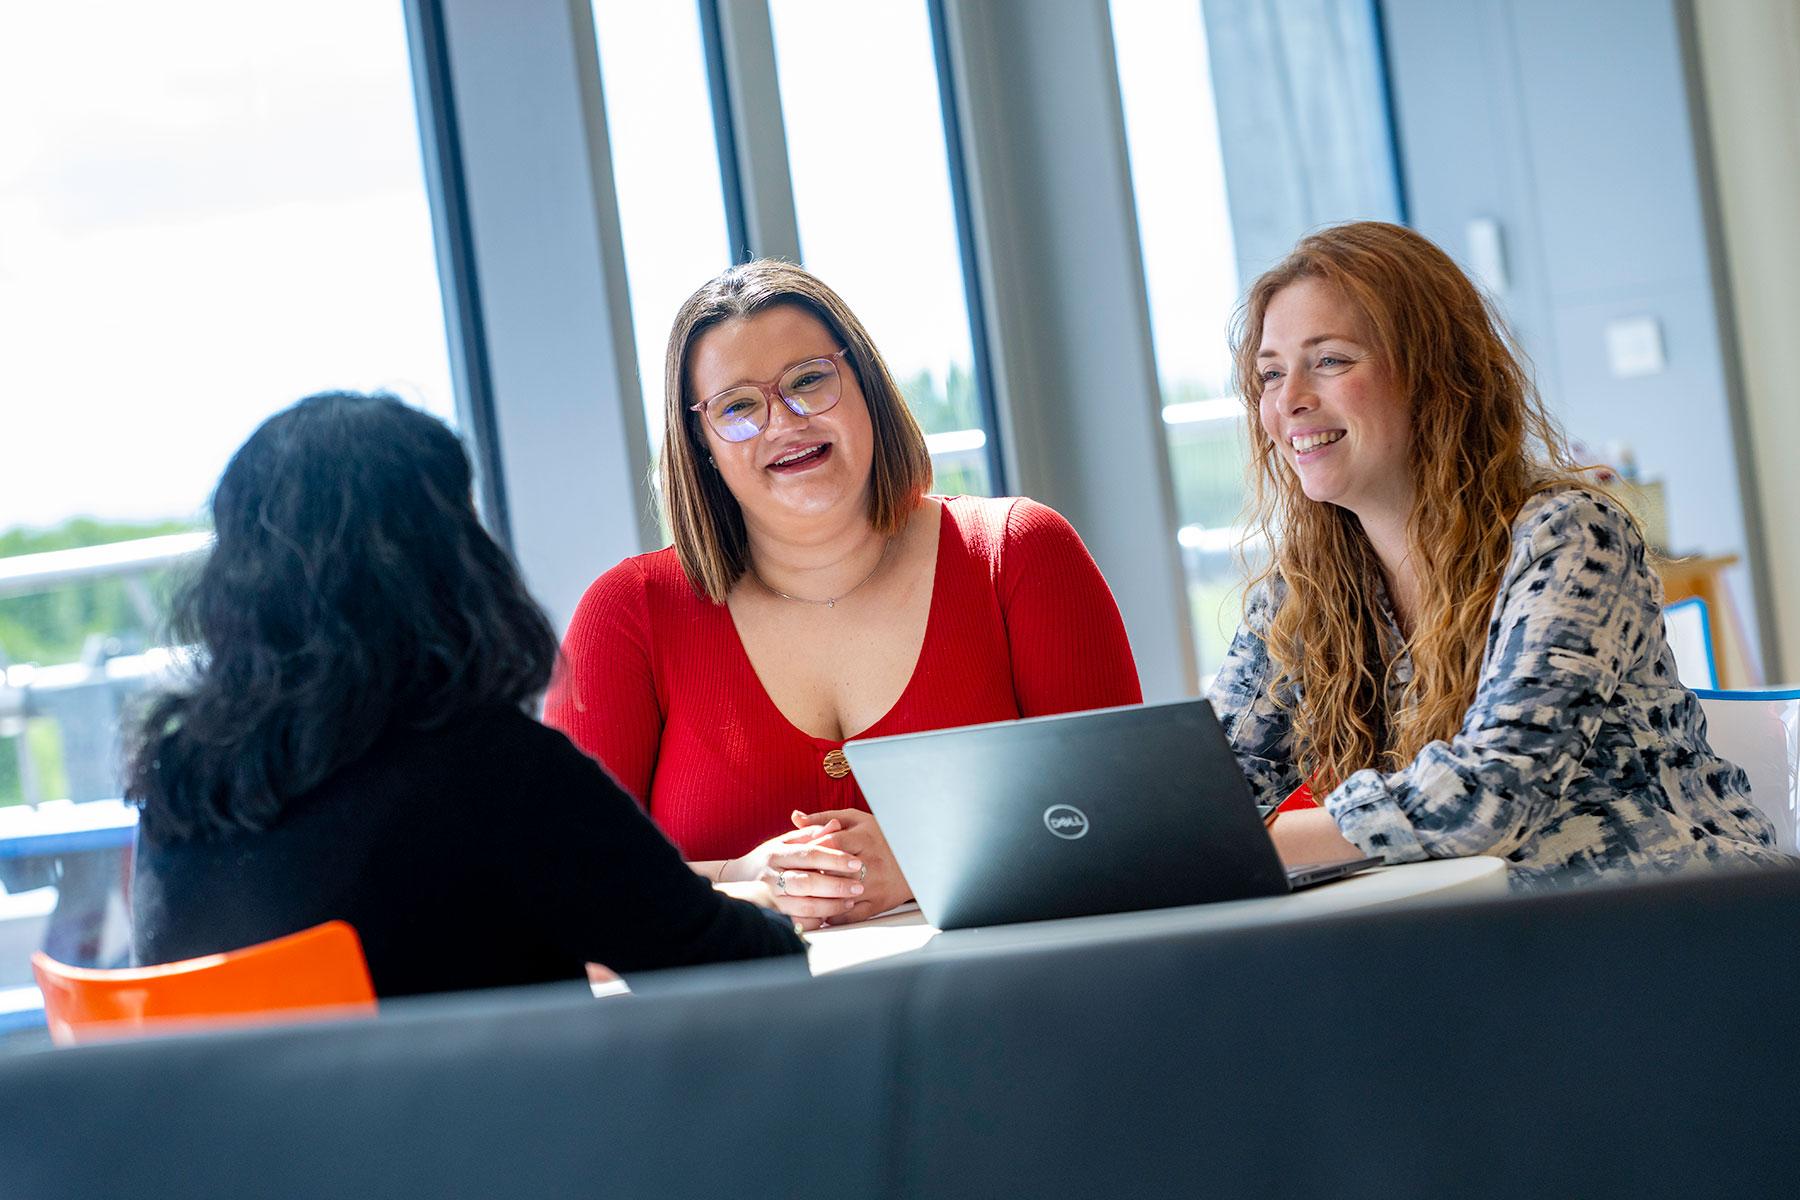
x,y
704,517
350,591
1481,444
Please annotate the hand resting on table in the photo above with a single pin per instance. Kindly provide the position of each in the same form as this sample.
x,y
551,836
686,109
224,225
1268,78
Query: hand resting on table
x,y
809,876
859,835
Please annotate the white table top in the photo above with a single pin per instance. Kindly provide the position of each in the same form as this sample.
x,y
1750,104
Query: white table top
x,y
833,949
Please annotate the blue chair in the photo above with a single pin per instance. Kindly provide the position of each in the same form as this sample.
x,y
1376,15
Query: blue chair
x,y
1760,732
1688,627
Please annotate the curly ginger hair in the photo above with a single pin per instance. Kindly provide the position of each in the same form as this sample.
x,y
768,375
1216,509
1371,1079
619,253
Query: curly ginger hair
x,y
1482,443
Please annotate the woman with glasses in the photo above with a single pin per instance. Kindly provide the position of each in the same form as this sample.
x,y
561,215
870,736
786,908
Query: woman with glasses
x,y
351,746
1457,643
814,593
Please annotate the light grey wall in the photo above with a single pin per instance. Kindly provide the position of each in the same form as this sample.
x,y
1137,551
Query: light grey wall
x,y
1750,55
1571,126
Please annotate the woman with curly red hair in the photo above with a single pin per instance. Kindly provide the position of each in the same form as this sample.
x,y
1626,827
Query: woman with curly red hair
x,y
1457,641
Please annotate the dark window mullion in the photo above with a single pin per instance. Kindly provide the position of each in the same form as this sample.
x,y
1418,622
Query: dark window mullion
x,y
731,184
965,242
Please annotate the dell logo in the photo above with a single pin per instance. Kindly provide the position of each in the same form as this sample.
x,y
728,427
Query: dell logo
x,y
1066,821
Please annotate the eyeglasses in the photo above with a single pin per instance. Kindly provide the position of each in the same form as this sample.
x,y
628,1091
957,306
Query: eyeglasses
x,y
807,388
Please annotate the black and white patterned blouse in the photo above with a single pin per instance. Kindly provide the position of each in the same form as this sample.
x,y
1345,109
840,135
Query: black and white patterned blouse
x,y
1581,753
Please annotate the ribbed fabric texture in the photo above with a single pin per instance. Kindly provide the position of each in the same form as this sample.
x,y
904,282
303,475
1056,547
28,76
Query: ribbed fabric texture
x,y
657,685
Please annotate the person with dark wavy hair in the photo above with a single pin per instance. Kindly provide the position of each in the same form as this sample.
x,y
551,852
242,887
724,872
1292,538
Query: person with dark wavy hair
x,y
351,742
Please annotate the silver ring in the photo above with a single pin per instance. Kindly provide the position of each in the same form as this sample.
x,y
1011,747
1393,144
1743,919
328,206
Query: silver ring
x,y
862,876
781,882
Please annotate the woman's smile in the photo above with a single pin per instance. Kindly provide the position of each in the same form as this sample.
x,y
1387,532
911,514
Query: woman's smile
x,y
1309,447
802,458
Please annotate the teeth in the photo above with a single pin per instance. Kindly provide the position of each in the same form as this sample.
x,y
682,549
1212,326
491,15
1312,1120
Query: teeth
x,y
1312,441
797,456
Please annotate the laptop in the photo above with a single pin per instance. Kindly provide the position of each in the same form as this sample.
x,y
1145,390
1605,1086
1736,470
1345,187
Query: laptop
x,y
1110,810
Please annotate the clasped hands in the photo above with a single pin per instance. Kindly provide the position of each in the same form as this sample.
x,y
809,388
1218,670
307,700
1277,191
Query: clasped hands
x,y
834,868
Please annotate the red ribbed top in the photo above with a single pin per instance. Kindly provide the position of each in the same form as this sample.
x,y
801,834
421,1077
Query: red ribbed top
x,y
658,687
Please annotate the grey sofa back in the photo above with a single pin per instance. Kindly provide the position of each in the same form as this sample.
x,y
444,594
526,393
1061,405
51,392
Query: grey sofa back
x,y
1628,1041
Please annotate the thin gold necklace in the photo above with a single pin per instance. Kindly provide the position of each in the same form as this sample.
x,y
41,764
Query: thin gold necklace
x,y
829,601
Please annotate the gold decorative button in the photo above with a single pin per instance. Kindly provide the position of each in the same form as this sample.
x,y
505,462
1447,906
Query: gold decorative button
x,y
836,765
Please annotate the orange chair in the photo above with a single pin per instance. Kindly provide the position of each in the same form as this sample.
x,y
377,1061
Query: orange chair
x,y
319,970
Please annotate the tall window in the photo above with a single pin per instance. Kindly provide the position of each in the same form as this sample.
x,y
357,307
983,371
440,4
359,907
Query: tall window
x,y
665,170
1189,267
865,136
207,210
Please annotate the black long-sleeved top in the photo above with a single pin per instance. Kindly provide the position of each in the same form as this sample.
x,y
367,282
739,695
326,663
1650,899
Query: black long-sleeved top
x,y
488,853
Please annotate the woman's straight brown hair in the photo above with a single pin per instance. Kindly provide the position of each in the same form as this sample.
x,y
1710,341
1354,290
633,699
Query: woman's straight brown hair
x,y
704,517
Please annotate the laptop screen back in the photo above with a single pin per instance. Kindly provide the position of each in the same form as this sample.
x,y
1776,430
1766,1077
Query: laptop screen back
x,y
1113,810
